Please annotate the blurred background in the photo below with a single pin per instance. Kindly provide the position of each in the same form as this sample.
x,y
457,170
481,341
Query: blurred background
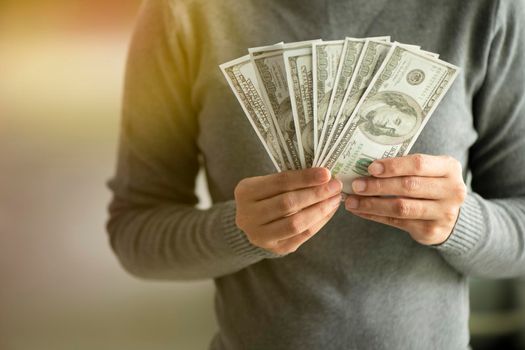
x,y
61,73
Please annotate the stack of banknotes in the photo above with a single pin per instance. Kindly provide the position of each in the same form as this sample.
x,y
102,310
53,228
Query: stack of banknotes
x,y
338,104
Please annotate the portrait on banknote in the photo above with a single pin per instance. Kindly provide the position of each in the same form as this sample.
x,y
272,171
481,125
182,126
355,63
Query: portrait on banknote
x,y
390,118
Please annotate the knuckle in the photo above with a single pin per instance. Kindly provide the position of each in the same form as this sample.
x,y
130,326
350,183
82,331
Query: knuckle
x,y
461,191
419,162
321,191
402,208
411,184
451,214
325,209
293,225
392,165
286,203
432,230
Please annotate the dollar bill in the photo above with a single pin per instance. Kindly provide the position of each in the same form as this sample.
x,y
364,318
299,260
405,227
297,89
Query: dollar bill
x,y
350,54
392,112
373,54
325,61
298,64
241,77
271,77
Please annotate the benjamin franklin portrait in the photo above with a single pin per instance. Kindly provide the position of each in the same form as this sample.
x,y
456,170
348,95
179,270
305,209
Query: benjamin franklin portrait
x,y
390,118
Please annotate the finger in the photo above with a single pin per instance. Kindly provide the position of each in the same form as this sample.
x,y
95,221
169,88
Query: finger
x,y
288,203
291,244
407,225
416,164
423,231
405,186
403,208
301,221
262,187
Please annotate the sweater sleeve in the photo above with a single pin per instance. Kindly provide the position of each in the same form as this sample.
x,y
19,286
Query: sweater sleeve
x,y
489,237
154,227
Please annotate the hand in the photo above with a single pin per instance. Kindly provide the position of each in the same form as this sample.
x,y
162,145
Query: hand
x,y
280,212
428,190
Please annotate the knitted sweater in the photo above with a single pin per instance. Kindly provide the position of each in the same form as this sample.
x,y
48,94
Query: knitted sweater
x,y
356,284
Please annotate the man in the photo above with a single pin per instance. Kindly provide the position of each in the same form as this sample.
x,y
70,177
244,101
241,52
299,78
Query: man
x,y
390,118
292,269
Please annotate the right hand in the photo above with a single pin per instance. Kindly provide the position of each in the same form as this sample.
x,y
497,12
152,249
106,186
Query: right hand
x,y
279,212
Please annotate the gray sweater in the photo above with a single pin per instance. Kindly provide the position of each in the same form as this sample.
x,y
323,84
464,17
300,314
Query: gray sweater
x,y
356,284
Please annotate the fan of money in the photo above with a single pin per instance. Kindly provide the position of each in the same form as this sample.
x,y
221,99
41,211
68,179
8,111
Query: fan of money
x,y
338,104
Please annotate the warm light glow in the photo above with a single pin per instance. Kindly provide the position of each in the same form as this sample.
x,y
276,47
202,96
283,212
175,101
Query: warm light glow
x,y
61,76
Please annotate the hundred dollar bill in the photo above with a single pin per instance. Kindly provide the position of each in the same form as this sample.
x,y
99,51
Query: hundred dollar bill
x,y
298,64
373,54
271,76
349,57
392,112
325,61
240,75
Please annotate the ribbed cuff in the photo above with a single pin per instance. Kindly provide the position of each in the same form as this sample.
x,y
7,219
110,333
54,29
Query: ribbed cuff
x,y
468,229
237,239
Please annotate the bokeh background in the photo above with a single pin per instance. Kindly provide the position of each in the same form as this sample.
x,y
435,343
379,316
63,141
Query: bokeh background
x,y
61,74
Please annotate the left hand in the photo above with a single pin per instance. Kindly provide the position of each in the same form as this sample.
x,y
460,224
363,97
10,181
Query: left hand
x,y
428,190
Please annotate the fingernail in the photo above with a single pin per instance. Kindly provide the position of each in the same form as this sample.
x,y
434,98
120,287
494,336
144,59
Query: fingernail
x,y
335,185
359,185
376,168
352,203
